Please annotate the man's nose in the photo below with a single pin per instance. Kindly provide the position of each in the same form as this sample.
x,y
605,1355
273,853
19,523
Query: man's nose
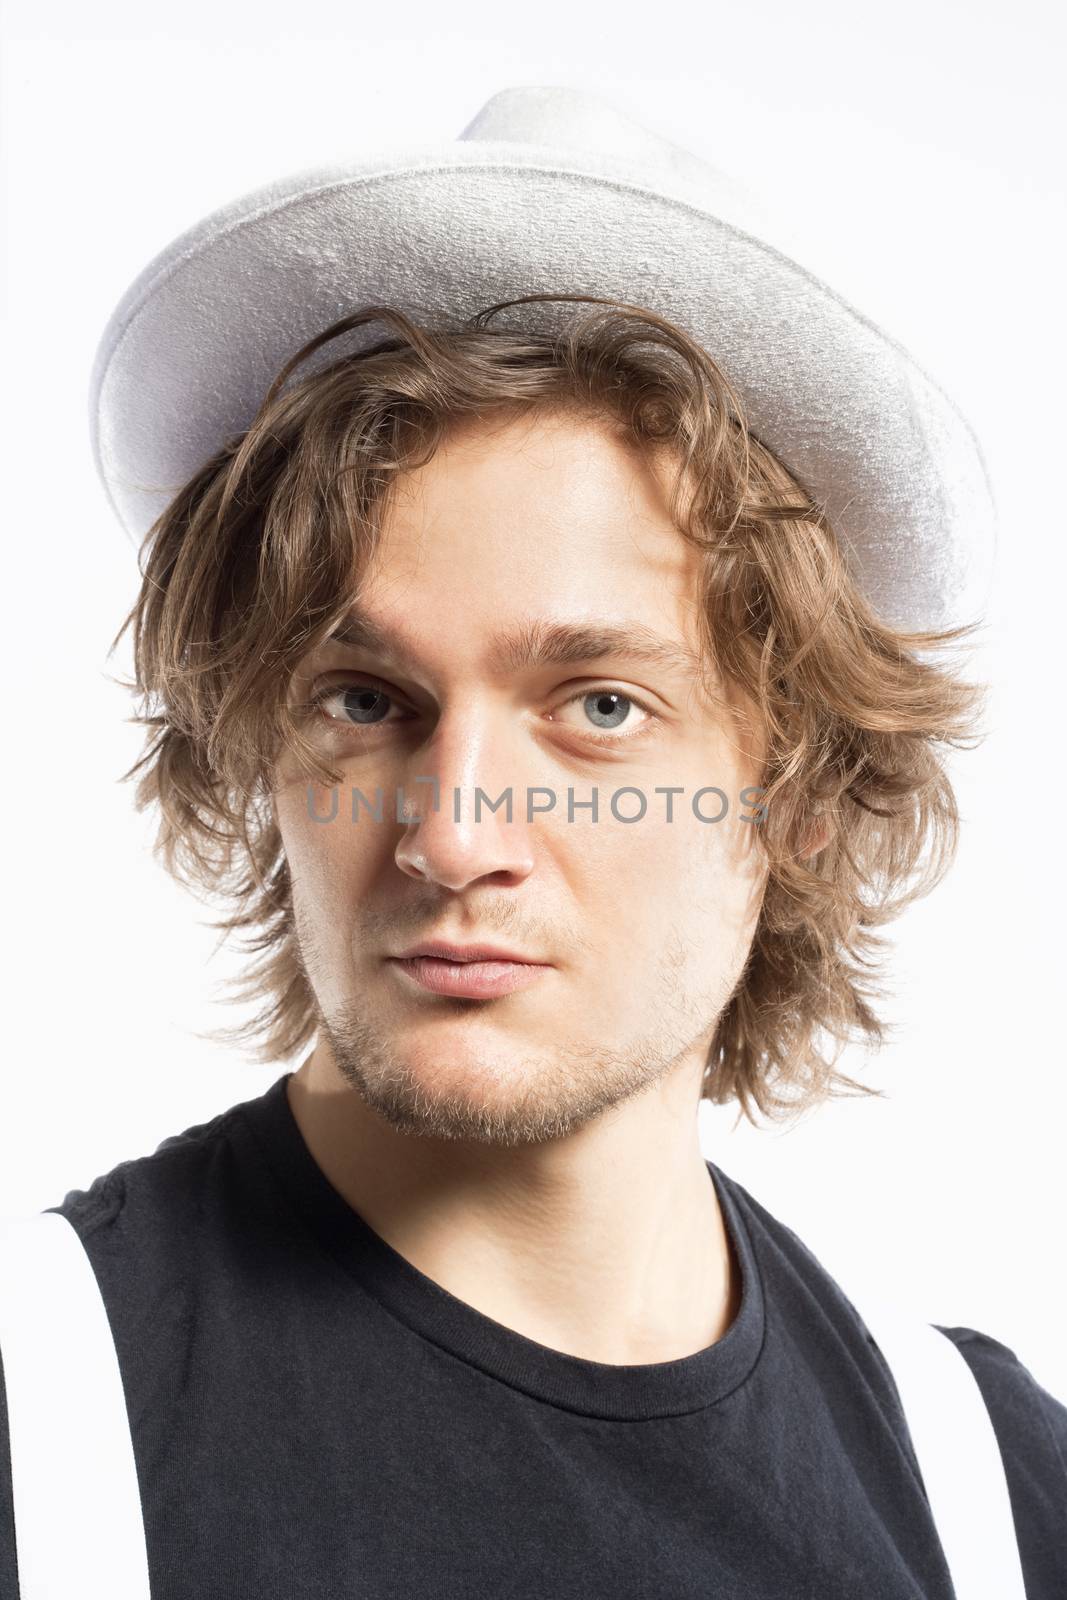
x,y
479,827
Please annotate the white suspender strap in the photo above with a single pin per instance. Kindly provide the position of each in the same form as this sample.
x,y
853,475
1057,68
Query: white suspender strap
x,y
957,1451
78,1523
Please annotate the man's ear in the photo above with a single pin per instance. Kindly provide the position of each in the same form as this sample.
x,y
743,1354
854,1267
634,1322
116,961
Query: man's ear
x,y
818,836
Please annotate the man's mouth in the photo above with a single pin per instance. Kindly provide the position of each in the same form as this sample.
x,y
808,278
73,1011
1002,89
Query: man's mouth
x,y
468,979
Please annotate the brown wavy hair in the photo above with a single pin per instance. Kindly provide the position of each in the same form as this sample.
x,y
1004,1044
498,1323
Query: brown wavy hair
x,y
258,556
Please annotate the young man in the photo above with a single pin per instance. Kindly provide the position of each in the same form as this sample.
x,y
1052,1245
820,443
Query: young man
x,y
458,1305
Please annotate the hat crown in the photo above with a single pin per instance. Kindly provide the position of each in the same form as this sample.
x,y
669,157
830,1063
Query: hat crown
x,y
586,124
555,115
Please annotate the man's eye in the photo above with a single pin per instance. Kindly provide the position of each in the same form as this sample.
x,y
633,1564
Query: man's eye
x,y
608,712
355,705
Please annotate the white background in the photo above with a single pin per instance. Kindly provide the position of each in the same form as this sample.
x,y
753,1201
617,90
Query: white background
x,y
920,148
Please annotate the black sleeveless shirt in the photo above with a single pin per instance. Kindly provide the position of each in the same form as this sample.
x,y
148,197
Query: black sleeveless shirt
x,y
314,1417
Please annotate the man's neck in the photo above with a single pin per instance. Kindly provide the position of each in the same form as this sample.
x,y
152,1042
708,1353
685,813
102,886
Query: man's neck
x,y
609,1245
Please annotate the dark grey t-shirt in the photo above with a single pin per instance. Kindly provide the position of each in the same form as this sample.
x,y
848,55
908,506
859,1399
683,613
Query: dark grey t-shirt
x,y
312,1416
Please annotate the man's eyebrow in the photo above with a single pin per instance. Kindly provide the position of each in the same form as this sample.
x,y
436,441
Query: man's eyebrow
x,y
535,644
564,643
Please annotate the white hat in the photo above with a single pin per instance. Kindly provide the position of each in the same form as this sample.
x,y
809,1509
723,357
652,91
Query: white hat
x,y
551,190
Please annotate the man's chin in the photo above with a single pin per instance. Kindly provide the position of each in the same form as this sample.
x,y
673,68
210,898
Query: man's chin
x,y
489,1095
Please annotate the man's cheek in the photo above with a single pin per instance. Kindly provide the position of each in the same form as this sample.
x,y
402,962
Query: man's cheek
x,y
324,874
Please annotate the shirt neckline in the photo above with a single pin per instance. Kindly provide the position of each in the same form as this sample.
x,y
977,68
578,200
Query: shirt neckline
x,y
593,1388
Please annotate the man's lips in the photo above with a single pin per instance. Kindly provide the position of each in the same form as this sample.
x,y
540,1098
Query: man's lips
x,y
471,980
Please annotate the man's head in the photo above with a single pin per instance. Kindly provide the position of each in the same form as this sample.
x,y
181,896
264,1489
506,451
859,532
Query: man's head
x,y
475,498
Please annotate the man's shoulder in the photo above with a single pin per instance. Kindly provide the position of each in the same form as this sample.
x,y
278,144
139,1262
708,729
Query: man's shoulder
x,y
142,1224
1029,1422
1026,1415
1013,1396
1031,1429
141,1191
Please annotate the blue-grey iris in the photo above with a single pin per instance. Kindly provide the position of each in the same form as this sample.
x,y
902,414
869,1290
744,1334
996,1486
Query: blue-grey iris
x,y
618,708
361,700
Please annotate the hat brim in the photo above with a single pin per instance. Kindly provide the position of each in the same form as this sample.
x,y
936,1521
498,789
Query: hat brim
x,y
193,345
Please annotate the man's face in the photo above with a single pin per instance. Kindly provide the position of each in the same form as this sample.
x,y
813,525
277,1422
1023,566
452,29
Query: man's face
x,y
643,926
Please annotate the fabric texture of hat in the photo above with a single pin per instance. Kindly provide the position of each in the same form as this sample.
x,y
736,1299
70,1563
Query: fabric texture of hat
x,y
552,190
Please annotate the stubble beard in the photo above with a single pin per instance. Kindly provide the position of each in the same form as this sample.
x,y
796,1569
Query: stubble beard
x,y
542,1097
